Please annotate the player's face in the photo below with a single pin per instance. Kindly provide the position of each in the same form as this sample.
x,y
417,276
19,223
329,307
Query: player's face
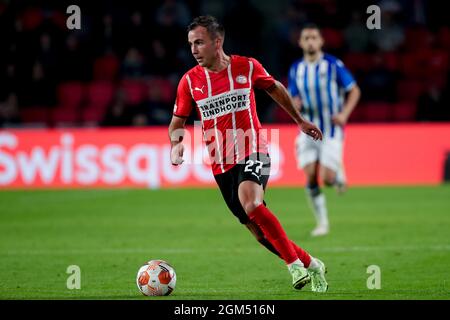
x,y
311,41
203,48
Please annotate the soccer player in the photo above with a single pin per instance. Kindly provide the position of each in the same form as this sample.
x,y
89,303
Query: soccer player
x,y
221,87
317,83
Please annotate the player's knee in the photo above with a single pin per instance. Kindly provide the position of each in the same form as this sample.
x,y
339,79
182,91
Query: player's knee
x,y
312,179
329,180
251,205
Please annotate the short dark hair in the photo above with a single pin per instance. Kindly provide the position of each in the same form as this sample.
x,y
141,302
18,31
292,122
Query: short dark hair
x,y
211,24
311,25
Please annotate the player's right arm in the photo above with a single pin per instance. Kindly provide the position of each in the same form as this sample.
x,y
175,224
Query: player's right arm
x,y
181,111
176,135
346,81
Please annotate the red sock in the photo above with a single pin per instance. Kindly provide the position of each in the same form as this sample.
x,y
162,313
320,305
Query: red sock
x,y
304,257
274,232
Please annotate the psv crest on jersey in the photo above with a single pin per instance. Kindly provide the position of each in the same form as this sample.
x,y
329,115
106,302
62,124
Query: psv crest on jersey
x,y
241,79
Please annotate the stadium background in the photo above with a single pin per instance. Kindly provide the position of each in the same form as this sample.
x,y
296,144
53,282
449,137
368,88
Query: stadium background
x,y
121,70
89,109
122,67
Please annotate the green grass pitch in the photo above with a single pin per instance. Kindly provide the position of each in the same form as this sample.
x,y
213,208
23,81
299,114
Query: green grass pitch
x,y
110,233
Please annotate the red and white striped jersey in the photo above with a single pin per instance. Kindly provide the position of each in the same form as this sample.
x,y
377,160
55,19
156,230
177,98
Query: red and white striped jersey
x,y
225,102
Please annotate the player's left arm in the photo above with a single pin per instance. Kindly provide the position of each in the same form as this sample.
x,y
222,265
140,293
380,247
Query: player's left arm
x,y
354,94
277,91
346,81
279,94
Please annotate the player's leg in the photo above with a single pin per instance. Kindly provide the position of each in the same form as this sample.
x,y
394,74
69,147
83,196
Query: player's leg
x,y
332,167
228,185
316,199
259,235
251,195
255,229
252,179
304,257
304,269
308,152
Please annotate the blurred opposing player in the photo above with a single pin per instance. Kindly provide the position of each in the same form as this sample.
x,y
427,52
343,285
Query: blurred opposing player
x,y
221,87
317,83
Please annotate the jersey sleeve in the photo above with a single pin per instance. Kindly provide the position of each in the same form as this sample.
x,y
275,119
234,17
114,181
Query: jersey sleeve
x,y
292,81
344,77
260,77
183,101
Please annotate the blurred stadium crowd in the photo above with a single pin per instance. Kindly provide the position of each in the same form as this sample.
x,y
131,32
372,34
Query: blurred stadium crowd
x,y
122,67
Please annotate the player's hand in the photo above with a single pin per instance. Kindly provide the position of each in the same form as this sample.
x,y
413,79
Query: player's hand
x,y
339,119
311,130
176,154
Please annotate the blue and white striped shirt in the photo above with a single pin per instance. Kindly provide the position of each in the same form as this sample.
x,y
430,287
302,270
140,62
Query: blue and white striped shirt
x,y
321,86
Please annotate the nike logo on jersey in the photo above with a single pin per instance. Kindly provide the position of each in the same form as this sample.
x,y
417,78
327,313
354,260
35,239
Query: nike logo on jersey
x,y
199,89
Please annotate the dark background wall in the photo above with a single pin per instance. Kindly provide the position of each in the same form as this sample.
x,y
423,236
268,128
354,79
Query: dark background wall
x,y
122,67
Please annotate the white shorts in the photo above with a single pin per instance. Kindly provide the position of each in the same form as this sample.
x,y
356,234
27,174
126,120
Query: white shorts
x,y
327,152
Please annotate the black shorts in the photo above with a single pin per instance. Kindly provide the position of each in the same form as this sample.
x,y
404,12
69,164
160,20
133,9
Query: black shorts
x,y
255,167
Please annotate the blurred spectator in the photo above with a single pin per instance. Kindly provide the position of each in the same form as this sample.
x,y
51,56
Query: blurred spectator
x,y
139,119
108,30
378,84
178,9
75,64
141,40
133,64
158,63
135,33
39,90
117,114
8,80
433,105
158,111
9,112
48,55
289,51
356,34
391,6
106,67
242,22
290,19
106,35
391,35
171,36
418,12
215,8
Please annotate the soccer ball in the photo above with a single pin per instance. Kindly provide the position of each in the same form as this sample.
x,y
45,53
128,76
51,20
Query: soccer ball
x,y
156,278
